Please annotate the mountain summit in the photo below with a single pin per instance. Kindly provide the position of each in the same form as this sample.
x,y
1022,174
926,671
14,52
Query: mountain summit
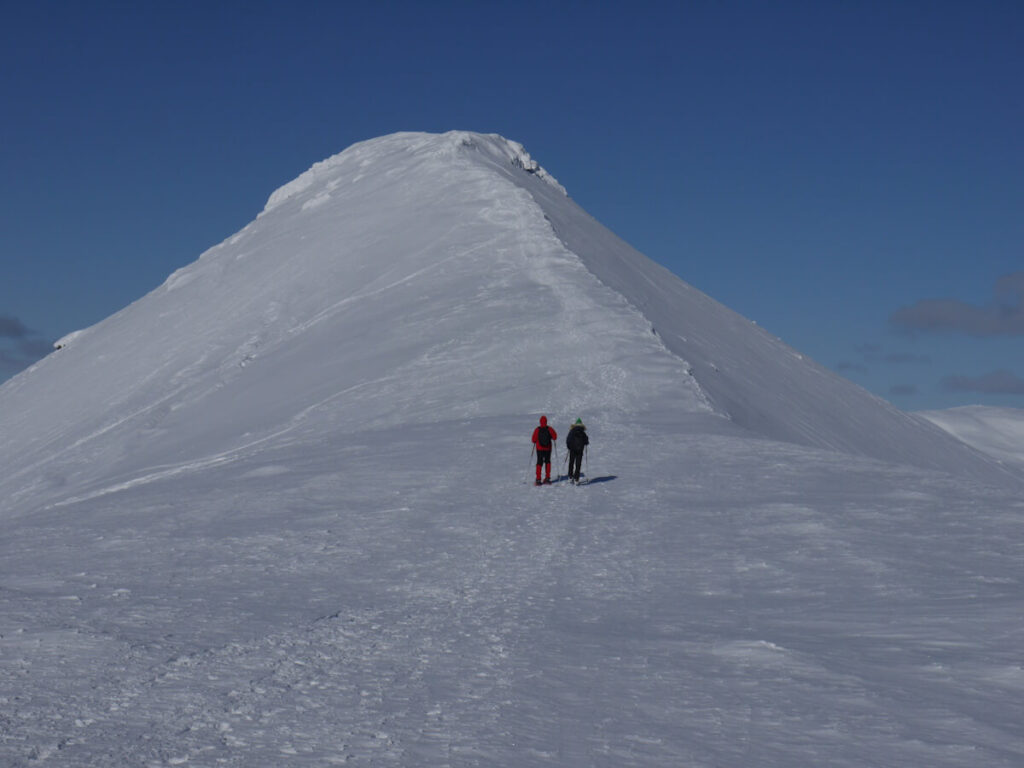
x,y
416,278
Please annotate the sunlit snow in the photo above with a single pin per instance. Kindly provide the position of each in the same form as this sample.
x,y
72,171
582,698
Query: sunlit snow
x,y
279,511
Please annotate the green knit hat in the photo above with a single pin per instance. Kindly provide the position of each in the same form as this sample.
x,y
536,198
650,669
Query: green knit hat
x,y
580,422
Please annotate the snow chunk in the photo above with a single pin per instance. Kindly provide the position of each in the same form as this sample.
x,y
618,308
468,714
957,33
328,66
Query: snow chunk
x,y
504,150
65,340
179,277
521,159
303,181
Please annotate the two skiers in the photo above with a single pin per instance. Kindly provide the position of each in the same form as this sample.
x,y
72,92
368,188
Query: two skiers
x,y
543,440
576,441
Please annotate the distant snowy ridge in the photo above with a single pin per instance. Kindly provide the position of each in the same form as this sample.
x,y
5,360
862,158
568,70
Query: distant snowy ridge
x,y
998,432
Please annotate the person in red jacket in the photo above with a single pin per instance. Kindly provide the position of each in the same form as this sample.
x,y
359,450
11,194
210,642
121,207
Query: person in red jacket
x,y
543,439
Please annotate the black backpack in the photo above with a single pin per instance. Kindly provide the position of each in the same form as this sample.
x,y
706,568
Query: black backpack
x,y
576,440
543,437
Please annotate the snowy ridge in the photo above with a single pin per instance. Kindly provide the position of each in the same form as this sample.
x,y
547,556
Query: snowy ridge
x,y
753,378
322,175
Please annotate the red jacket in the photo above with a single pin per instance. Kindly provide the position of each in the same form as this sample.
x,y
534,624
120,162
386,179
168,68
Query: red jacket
x,y
554,435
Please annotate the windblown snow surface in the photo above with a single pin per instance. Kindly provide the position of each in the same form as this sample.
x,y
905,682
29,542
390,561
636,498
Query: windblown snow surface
x,y
277,512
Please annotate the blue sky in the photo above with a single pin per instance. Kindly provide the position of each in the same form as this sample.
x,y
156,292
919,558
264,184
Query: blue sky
x,y
850,175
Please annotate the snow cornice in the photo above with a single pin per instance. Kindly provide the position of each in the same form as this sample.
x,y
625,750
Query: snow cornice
x,y
493,147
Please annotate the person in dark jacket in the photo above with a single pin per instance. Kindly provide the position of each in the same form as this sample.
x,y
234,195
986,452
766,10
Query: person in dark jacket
x,y
543,440
576,441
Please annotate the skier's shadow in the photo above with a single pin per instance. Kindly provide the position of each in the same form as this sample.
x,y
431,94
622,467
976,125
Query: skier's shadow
x,y
605,479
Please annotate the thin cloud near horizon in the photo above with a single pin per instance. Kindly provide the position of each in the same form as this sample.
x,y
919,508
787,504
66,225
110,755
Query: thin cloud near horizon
x,y
1001,382
20,346
1002,316
12,328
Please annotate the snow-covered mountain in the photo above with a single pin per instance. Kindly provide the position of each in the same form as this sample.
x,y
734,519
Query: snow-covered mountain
x,y
415,278
276,512
999,432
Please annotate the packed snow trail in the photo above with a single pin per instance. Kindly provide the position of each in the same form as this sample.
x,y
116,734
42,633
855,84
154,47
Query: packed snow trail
x,y
394,601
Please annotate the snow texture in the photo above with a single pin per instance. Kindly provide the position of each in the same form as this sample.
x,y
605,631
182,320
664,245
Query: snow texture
x,y
277,512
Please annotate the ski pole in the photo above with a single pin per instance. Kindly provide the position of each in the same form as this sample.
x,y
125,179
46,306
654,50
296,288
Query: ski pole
x,y
528,466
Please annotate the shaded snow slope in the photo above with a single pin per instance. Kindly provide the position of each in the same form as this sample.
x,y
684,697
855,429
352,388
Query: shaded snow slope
x,y
761,383
999,432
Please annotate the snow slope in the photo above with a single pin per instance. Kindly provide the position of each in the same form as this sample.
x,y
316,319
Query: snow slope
x,y
412,283
276,512
998,432
754,378
415,277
